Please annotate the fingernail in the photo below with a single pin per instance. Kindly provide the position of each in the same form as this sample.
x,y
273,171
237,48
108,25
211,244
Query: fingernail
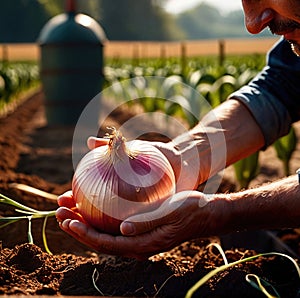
x,y
65,223
127,228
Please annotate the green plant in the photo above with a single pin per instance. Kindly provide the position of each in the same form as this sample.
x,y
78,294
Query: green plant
x,y
285,146
16,77
261,285
27,214
246,169
209,275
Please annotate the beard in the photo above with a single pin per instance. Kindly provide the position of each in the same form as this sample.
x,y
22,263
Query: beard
x,y
278,27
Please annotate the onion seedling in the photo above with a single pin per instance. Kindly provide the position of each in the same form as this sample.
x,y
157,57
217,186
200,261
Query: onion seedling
x,y
210,274
28,214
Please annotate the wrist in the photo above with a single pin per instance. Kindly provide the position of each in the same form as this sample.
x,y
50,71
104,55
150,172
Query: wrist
x,y
184,161
191,159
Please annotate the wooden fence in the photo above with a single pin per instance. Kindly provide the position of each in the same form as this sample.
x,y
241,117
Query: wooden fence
x,y
118,49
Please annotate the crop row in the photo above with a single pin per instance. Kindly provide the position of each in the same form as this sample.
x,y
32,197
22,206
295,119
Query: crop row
x,y
179,86
16,77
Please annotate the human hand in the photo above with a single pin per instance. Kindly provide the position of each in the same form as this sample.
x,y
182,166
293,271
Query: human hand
x,y
73,223
184,216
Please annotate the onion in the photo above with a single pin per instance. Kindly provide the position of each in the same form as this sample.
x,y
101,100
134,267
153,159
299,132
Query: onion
x,y
120,179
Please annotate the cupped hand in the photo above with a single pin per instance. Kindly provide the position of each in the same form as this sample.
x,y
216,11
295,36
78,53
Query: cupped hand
x,y
180,218
145,234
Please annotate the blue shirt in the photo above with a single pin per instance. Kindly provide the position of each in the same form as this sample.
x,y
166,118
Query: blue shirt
x,y
273,96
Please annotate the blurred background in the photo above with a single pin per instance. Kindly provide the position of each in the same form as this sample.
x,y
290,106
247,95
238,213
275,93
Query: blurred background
x,y
163,20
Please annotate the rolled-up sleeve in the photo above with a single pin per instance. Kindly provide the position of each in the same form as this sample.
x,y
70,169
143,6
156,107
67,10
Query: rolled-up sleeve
x,y
273,96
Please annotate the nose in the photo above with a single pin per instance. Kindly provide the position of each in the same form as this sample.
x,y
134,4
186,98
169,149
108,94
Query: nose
x,y
257,15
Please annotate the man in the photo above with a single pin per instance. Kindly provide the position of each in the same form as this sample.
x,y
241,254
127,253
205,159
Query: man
x,y
251,119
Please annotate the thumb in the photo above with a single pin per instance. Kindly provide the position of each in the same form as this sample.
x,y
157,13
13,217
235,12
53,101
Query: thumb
x,y
166,213
141,223
94,142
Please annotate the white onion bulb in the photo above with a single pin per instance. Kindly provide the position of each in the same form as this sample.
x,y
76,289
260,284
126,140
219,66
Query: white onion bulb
x,y
120,179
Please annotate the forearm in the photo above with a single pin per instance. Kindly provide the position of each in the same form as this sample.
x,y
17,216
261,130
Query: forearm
x,y
271,206
225,135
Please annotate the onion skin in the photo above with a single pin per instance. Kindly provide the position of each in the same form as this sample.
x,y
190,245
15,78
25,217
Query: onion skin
x,y
120,179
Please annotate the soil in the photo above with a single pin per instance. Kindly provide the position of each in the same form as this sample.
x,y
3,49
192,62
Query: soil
x,y
40,156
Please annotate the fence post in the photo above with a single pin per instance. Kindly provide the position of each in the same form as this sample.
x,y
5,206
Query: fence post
x,y
4,53
162,51
221,52
136,54
183,58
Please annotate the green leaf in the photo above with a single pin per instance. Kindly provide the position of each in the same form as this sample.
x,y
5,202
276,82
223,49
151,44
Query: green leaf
x,y
284,147
210,274
8,201
261,284
246,169
5,221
